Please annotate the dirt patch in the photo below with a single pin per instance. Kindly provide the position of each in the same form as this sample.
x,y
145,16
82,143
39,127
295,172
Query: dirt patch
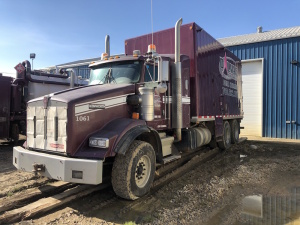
x,y
6,157
12,180
212,193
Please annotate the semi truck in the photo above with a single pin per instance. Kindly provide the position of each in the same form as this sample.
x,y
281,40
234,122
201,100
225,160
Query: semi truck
x,y
15,92
140,111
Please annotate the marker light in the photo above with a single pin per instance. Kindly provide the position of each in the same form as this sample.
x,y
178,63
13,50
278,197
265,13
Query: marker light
x,y
104,56
136,53
151,48
135,115
99,142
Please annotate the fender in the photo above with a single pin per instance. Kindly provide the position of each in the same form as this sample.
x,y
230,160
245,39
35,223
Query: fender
x,y
156,143
120,132
125,141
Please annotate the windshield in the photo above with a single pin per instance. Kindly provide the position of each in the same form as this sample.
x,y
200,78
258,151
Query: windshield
x,y
118,72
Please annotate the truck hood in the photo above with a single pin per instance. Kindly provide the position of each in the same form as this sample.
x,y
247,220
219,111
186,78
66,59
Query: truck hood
x,y
79,113
90,93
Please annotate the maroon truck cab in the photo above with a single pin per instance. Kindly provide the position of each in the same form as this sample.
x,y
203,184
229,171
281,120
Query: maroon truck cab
x,y
139,111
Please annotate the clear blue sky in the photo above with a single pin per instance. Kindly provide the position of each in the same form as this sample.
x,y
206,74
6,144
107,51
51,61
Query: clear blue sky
x,y
60,31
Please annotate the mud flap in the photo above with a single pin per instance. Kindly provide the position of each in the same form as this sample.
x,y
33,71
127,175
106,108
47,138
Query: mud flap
x,y
219,128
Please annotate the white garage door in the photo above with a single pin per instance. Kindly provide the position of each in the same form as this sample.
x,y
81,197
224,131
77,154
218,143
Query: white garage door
x,y
252,71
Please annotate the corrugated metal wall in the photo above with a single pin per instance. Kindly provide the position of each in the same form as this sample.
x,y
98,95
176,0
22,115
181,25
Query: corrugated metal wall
x,y
281,84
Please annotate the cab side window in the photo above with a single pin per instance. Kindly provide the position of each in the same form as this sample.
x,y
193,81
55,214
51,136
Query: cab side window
x,y
149,75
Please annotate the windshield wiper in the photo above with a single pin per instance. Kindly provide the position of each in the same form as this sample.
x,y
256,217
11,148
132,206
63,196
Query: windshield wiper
x,y
108,77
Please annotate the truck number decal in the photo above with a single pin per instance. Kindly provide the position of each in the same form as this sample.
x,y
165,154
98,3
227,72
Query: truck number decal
x,y
82,118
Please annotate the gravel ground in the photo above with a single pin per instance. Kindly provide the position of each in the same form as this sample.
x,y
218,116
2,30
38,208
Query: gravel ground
x,y
211,193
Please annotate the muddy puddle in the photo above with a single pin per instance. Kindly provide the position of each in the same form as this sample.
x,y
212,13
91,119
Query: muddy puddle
x,y
282,208
260,209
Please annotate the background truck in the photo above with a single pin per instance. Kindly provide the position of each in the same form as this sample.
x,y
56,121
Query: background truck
x,y
140,111
14,94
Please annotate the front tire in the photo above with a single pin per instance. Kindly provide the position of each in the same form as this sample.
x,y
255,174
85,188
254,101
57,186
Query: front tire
x,y
133,173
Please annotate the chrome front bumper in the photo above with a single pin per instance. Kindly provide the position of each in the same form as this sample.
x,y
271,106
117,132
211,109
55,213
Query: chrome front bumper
x,y
85,171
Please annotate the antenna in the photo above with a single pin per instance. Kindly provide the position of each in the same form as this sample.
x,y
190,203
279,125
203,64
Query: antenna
x,y
152,24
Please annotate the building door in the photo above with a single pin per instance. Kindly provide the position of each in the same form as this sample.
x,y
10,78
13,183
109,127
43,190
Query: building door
x,y
252,77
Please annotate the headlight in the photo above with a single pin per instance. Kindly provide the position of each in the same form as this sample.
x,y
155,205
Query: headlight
x,y
99,142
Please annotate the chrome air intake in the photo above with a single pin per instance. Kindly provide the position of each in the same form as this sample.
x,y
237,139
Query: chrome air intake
x,y
147,105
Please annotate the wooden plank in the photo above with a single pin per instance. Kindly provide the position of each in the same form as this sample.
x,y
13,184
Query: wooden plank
x,y
46,204
32,194
180,171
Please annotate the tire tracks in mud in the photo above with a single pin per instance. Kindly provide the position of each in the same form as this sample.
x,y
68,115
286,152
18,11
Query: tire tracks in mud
x,y
36,201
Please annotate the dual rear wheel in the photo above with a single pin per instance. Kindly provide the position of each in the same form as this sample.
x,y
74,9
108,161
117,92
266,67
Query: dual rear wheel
x,y
230,134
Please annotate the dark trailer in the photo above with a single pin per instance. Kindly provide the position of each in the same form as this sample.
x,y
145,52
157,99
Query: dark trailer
x,y
215,73
5,102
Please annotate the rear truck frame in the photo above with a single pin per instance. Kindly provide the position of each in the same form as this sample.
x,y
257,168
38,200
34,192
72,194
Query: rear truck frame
x,y
16,92
140,111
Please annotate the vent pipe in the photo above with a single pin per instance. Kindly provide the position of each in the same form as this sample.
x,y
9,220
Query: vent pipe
x,y
259,29
176,90
107,45
72,77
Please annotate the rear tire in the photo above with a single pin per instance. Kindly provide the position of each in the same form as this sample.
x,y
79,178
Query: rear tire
x,y
235,133
225,143
133,173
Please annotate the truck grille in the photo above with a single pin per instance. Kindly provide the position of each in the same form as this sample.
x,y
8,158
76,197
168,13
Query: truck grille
x,y
46,128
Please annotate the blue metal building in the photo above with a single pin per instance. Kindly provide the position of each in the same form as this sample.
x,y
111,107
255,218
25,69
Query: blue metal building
x,y
271,75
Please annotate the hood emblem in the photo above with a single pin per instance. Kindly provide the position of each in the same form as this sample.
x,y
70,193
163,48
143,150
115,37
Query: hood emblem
x,y
45,101
96,106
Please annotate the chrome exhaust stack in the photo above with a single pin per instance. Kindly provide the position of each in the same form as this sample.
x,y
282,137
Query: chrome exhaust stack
x,y
107,45
176,90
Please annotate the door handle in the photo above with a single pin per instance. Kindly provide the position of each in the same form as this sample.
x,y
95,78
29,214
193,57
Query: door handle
x,y
293,121
288,121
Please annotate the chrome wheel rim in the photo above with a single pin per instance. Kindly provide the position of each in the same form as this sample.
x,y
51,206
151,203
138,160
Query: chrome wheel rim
x,y
142,171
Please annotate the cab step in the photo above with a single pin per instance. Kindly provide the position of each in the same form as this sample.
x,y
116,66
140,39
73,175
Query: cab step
x,y
166,143
171,158
162,134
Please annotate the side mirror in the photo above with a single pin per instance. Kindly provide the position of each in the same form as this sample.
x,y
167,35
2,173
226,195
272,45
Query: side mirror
x,y
163,70
162,88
